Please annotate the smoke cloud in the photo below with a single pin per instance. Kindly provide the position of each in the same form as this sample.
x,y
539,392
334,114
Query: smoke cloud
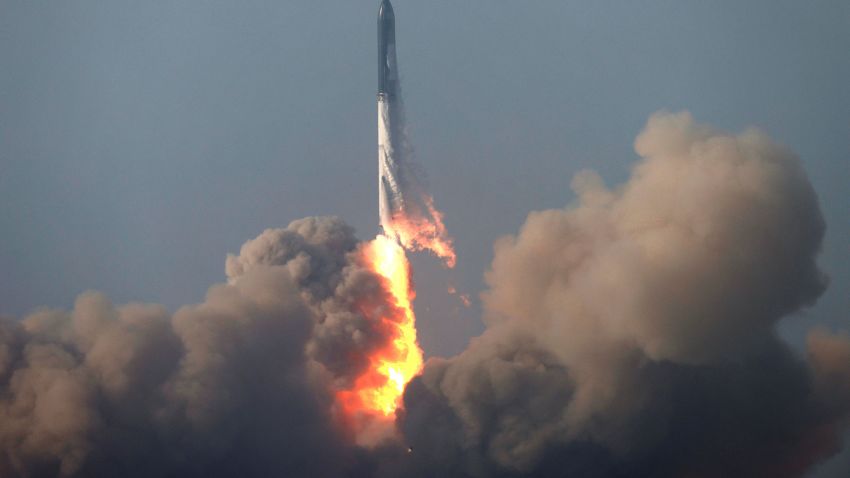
x,y
239,385
632,333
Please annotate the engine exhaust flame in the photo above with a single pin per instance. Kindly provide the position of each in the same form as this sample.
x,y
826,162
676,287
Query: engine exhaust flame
x,y
418,233
377,393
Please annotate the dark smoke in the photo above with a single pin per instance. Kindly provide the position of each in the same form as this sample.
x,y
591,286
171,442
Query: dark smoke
x,y
631,334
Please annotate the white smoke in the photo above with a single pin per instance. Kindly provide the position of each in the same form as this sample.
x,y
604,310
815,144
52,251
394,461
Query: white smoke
x,y
406,208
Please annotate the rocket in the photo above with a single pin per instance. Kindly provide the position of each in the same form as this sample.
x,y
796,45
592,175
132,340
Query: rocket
x,y
390,122
387,71
405,209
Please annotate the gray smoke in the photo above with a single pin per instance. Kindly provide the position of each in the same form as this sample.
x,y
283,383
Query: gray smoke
x,y
630,334
634,333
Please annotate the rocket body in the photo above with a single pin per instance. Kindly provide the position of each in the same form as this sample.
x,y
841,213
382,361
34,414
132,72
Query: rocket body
x,y
387,69
390,122
405,208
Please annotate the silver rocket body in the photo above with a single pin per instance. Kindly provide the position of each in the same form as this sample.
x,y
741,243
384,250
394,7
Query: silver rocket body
x,y
406,209
391,141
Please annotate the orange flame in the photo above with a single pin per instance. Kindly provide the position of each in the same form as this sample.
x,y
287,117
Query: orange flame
x,y
418,233
377,393
370,405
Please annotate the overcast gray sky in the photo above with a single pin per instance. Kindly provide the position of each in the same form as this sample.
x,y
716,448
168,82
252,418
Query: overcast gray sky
x,y
142,141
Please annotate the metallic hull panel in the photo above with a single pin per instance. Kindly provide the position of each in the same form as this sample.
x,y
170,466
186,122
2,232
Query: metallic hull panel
x,y
390,140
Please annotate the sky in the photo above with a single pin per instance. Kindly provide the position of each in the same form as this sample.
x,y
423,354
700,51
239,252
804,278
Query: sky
x,y
140,142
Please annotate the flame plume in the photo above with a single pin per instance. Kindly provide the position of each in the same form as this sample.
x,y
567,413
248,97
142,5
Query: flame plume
x,y
377,393
423,232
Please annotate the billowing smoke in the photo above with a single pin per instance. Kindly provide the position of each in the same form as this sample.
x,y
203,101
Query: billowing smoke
x,y
239,385
634,334
630,334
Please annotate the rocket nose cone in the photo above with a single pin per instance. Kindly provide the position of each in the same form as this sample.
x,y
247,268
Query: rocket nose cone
x,y
386,10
